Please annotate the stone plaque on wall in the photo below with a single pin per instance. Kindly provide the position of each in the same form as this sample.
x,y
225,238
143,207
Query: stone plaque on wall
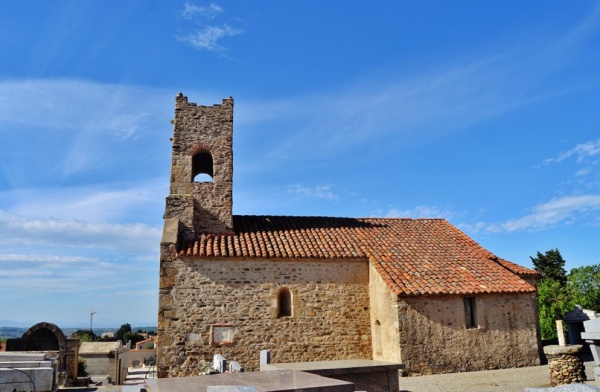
x,y
222,334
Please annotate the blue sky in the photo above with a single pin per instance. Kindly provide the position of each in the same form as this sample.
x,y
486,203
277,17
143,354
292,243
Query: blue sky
x,y
482,113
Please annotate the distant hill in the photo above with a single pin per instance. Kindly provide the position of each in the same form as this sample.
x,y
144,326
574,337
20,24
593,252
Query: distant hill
x,y
13,330
8,323
146,329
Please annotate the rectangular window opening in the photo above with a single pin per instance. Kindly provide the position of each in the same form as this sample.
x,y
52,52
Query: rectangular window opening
x,y
470,312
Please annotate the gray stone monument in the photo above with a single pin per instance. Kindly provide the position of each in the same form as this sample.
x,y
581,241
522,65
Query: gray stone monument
x,y
27,371
592,337
574,320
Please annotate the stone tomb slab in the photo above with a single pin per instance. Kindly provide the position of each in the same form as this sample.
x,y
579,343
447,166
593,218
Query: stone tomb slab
x,y
19,370
270,381
592,325
11,356
592,329
365,374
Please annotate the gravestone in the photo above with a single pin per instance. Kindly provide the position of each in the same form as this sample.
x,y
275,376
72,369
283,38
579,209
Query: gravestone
x,y
265,359
574,320
235,367
219,363
592,337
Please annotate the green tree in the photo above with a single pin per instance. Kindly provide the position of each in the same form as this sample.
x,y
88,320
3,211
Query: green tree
x,y
81,367
134,337
554,300
122,331
554,297
551,266
85,335
584,285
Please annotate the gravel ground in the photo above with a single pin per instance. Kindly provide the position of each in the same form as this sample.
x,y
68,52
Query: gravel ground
x,y
506,380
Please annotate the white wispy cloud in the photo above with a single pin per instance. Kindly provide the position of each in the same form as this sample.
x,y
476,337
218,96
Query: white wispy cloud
x,y
587,152
80,214
62,273
421,211
70,103
47,260
128,126
207,34
582,206
134,238
565,210
583,172
192,10
318,191
8,274
425,104
80,281
77,124
102,202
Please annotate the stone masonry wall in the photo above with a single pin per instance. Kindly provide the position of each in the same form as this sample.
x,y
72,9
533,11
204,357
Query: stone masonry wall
x,y
384,319
202,207
330,316
99,364
434,338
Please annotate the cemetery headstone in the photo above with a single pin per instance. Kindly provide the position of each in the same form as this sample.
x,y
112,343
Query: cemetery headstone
x,y
219,363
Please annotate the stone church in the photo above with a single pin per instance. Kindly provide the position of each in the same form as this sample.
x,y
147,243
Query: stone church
x,y
308,288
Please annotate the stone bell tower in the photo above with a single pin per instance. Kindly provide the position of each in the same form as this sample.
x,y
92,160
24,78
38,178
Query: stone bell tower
x,y
202,168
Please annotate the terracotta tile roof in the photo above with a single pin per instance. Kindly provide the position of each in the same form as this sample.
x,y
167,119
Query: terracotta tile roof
x,y
517,269
413,256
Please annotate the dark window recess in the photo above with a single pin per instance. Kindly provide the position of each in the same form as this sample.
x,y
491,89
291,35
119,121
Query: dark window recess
x,y
470,312
284,303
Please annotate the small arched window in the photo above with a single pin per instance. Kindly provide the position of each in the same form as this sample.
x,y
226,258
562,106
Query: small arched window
x,y
377,340
284,303
202,167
